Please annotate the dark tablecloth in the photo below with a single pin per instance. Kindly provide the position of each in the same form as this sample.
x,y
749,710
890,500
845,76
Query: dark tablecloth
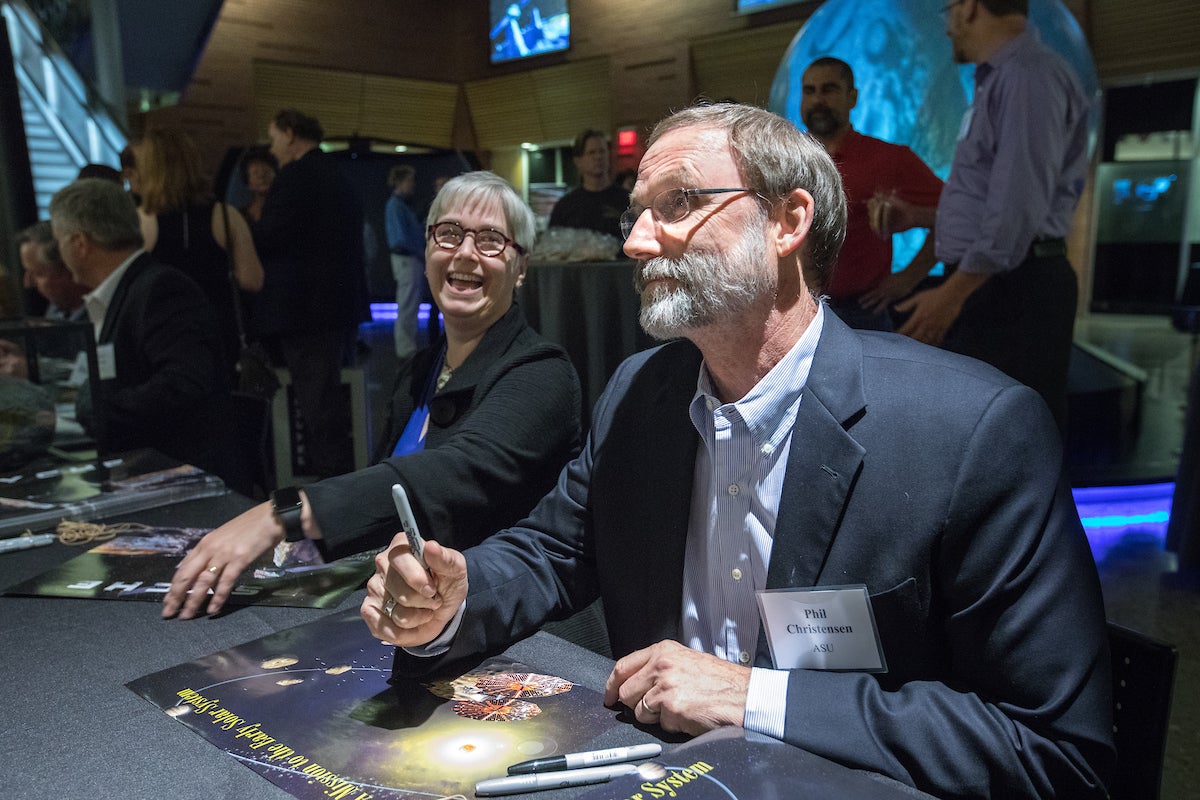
x,y
72,729
591,309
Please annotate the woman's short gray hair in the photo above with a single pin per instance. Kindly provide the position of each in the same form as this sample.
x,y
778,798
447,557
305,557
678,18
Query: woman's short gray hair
x,y
483,185
774,157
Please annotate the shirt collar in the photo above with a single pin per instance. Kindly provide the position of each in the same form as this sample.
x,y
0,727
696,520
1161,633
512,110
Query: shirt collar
x,y
99,299
1006,52
768,409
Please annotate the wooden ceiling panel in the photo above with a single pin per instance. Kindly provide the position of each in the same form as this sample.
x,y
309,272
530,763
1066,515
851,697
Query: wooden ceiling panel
x,y
542,105
741,64
357,104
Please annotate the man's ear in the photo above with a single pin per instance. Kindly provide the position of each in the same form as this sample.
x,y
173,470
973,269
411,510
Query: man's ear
x,y
793,217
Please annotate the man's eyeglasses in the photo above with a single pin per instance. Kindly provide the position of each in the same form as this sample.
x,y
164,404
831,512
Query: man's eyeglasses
x,y
670,205
489,242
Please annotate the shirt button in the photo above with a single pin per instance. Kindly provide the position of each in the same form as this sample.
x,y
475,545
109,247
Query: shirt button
x,y
737,574
766,449
744,657
711,403
733,489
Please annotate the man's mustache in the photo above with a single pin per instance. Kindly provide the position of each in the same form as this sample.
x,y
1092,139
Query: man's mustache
x,y
658,269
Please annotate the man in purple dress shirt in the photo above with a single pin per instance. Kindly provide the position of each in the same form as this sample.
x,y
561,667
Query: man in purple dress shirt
x,y
1017,174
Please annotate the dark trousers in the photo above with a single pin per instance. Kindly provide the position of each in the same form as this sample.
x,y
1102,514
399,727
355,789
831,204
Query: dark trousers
x,y
315,362
1022,322
1183,529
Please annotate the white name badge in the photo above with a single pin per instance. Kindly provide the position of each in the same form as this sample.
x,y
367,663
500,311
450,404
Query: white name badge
x,y
106,361
828,627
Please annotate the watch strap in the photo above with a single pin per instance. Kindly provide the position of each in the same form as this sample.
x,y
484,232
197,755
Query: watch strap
x,y
286,505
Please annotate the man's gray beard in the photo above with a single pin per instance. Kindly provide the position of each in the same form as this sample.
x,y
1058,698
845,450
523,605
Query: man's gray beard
x,y
710,287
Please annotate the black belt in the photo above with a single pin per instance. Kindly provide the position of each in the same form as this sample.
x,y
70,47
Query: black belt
x,y
1041,248
1047,248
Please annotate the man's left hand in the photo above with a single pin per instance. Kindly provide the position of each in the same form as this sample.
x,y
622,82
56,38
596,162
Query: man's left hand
x,y
679,688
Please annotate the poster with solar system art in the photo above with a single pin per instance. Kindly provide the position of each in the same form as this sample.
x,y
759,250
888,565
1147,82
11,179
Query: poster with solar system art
x,y
311,710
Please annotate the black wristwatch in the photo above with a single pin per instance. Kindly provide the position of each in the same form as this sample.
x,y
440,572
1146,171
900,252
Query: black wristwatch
x,y
287,504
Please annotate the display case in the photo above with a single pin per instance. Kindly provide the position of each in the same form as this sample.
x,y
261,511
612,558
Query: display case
x,y
44,366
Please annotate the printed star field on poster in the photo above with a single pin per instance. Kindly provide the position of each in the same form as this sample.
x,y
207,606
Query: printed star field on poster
x,y
311,710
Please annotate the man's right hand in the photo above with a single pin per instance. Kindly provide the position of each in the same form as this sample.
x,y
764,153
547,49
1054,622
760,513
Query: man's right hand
x,y
420,603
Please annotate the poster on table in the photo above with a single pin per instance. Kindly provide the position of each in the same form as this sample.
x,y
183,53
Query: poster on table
x,y
311,710
139,565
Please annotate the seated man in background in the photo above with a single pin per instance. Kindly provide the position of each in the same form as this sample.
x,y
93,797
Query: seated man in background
x,y
773,451
162,377
46,272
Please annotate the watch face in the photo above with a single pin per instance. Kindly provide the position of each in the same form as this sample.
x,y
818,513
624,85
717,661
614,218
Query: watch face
x,y
285,499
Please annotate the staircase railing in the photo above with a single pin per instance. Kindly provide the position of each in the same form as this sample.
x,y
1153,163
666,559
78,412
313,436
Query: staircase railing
x,y
80,122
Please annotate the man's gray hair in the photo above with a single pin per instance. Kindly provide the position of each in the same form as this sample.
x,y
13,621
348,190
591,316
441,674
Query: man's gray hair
x,y
41,236
483,185
774,157
101,209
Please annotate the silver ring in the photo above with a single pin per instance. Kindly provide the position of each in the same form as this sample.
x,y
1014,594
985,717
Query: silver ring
x,y
389,606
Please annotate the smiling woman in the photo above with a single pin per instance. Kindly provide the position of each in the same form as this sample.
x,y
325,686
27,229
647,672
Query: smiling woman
x,y
479,234
480,422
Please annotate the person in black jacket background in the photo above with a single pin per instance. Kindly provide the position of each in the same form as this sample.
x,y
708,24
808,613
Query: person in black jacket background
x,y
163,379
310,240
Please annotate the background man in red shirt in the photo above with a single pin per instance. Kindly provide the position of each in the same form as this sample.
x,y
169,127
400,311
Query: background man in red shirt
x,y
874,173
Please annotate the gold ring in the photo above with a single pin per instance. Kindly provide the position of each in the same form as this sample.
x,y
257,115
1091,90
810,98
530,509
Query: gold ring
x,y
389,607
214,569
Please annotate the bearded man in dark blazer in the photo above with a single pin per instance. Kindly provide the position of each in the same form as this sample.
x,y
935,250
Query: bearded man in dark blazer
x,y
772,458
162,379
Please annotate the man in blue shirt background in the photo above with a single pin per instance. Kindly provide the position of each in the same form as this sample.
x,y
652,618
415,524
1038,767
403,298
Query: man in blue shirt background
x,y
406,241
1018,171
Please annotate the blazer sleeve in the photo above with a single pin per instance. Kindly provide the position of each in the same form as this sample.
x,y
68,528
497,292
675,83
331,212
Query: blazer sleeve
x,y
1021,707
166,337
499,461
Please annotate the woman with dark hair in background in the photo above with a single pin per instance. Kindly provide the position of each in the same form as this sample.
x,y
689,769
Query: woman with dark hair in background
x,y
257,170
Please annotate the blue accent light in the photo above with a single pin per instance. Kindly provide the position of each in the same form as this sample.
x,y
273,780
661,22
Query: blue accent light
x,y
1113,515
386,312
1120,521
383,312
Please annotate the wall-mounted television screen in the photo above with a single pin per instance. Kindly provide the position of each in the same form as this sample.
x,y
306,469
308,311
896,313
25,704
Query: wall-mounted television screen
x,y
750,6
527,28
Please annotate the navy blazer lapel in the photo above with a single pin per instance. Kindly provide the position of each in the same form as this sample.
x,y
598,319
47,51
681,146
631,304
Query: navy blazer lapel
x,y
118,299
823,461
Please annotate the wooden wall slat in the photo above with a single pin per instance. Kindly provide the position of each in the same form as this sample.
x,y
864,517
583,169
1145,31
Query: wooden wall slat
x,y
1131,38
742,64
354,104
551,104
